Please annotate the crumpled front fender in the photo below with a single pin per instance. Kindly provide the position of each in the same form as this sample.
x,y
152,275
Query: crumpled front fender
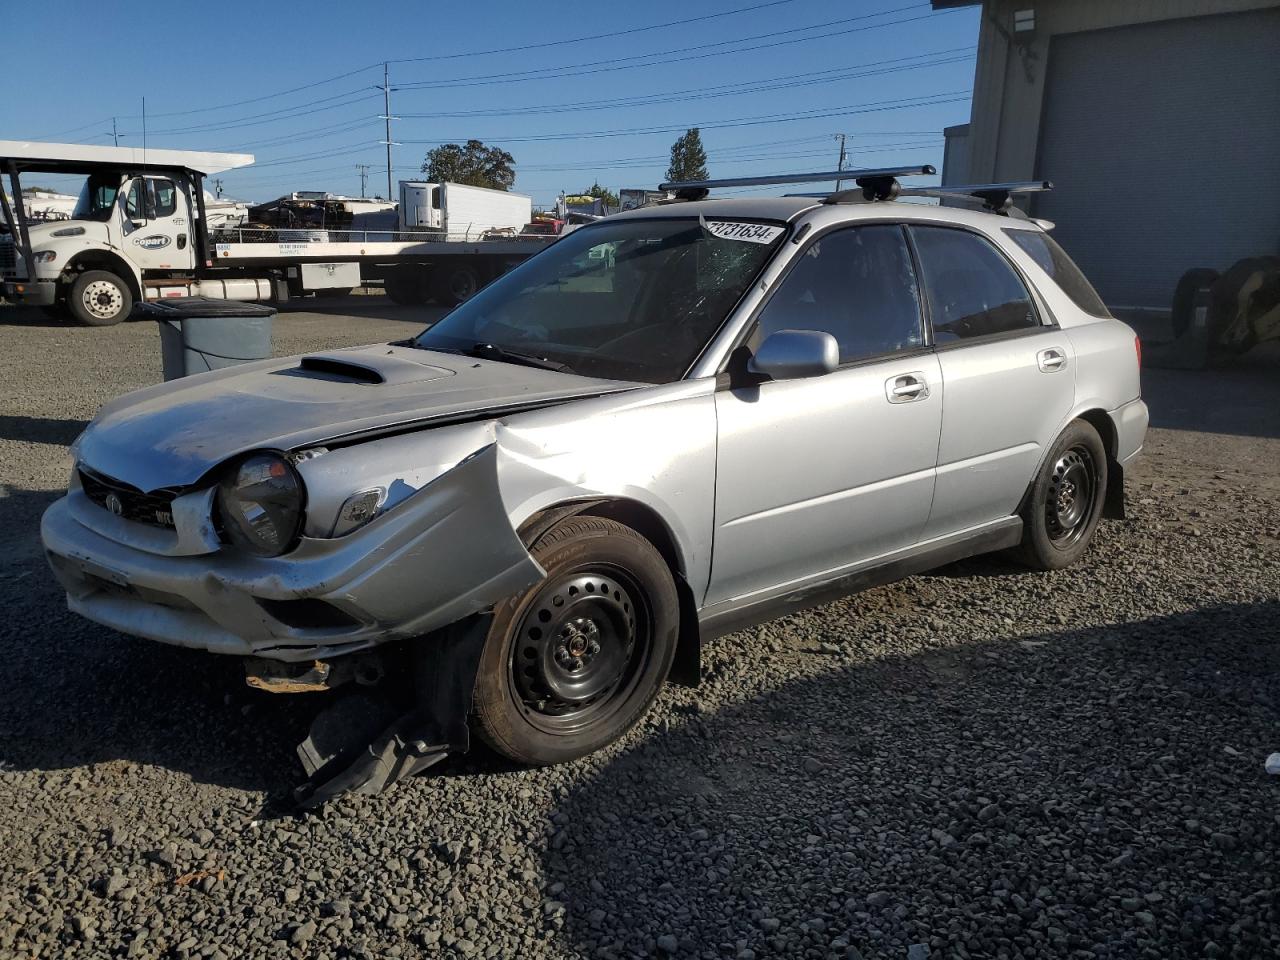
x,y
445,553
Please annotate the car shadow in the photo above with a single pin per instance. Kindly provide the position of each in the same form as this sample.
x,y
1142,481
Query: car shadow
x,y
998,798
40,429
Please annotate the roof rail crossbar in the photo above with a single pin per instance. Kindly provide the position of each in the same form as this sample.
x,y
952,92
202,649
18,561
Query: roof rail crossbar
x,y
879,178
996,197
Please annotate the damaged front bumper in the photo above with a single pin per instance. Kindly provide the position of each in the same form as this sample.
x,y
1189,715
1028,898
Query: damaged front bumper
x,y
435,559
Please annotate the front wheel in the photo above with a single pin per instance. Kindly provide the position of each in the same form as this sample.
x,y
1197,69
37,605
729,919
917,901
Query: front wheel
x,y
576,660
1065,503
99,298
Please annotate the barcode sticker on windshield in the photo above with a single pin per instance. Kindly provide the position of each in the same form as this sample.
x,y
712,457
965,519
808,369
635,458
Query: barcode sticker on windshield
x,y
749,232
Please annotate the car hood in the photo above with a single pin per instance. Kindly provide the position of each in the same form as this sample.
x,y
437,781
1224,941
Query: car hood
x,y
172,434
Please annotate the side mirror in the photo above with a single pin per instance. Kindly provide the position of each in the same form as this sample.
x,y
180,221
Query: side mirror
x,y
794,354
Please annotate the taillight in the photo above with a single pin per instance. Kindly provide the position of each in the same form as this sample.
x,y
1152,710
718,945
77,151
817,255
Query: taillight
x,y
1137,346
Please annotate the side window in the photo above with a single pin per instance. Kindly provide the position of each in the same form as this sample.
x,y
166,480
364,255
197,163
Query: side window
x,y
164,197
856,284
135,206
1053,260
972,289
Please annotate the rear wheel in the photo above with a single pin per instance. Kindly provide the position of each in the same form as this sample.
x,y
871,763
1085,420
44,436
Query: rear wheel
x,y
1066,500
453,284
99,299
574,661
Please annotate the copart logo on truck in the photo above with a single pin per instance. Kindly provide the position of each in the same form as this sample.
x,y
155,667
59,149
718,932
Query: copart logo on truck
x,y
156,242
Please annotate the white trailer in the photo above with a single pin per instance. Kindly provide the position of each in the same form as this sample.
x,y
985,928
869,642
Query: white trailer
x,y
141,231
460,212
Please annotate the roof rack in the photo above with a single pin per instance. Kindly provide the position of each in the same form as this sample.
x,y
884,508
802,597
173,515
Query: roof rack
x,y
996,197
875,184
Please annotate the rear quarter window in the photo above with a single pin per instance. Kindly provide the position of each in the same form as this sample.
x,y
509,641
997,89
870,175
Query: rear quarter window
x,y
1053,260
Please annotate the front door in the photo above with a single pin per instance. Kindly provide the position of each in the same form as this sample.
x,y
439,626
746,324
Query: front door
x,y
1009,377
814,475
156,224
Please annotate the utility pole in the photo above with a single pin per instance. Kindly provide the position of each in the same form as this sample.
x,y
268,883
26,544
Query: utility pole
x,y
364,176
840,162
114,135
386,115
217,189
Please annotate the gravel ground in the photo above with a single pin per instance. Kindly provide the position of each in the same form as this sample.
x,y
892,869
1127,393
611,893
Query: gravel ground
x,y
984,762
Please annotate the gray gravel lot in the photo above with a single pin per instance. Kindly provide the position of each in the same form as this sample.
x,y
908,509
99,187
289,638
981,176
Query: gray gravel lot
x,y
984,762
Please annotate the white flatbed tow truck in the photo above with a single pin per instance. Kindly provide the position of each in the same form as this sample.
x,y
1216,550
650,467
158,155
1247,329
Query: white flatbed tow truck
x,y
139,233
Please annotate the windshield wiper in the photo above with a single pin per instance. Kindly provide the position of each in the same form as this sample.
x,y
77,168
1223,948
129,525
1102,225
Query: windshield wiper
x,y
491,351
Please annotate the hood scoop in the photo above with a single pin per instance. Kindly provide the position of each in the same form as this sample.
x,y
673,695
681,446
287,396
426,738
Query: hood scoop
x,y
367,368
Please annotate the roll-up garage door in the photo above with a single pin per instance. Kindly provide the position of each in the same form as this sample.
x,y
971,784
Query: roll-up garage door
x,y
1163,142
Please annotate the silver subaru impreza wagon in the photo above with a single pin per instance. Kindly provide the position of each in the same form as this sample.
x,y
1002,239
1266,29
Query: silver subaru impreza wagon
x,y
670,424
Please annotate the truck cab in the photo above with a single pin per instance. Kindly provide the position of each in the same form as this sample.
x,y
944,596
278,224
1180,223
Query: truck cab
x,y
126,225
137,226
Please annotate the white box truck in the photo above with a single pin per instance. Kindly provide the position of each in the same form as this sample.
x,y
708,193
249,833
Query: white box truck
x,y
460,212
141,231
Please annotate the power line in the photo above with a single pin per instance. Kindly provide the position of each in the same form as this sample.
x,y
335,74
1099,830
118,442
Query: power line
x,y
475,53
596,36
620,63
905,103
787,81
271,116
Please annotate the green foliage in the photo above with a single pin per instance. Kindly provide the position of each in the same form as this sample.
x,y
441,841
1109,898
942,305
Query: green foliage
x,y
688,159
604,193
471,163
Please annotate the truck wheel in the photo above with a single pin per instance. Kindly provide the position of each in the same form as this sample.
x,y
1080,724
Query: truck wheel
x,y
99,299
1066,500
405,288
454,284
573,662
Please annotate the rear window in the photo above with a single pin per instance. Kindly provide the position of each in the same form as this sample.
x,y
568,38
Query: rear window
x,y
1053,260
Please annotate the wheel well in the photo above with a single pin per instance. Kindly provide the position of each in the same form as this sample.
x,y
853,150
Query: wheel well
x,y
1113,506
112,263
686,669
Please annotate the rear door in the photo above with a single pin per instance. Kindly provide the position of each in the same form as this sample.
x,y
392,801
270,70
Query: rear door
x,y
1008,374
813,475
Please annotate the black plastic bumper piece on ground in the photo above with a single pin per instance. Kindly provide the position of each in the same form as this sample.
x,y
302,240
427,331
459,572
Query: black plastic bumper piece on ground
x,y
366,741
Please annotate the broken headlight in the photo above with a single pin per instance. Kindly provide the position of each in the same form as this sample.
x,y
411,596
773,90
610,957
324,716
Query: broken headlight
x,y
260,504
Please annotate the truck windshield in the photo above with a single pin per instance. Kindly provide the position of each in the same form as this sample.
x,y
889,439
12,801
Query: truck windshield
x,y
97,197
625,300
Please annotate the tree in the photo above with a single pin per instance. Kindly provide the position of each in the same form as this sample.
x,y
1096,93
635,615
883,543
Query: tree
x,y
604,193
473,164
688,159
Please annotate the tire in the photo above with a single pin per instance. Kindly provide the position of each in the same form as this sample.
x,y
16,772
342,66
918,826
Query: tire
x,y
454,284
1184,294
569,667
405,288
98,298
1066,500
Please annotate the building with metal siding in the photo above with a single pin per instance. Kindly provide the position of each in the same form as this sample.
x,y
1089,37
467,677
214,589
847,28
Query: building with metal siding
x,y
1159,123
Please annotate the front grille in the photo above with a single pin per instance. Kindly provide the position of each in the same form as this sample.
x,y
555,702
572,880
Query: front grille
x,y
154,509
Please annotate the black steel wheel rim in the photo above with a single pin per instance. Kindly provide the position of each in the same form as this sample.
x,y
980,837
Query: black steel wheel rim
x,y
1069,504
580,648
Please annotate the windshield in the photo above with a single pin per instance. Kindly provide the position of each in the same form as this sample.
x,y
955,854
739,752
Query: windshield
x,y
97,197
624,300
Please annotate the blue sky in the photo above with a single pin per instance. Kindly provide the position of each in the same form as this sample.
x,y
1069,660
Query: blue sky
x,y
770,83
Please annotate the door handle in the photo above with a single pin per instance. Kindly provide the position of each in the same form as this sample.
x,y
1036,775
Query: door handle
x,y
182,241
1051,359
906,387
